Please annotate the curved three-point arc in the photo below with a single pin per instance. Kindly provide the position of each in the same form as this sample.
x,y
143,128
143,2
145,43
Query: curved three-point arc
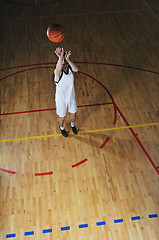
x,y
116,108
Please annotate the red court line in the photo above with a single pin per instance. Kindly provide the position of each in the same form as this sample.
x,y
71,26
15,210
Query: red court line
x,y
38,110
79,163
114,104
50,109
42,174
124,119
121,66
96,63
25,70
105,142
115,113
137,139
23,66
95,104
7,171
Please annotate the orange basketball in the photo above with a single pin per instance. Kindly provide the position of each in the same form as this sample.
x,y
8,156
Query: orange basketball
x,y
55,33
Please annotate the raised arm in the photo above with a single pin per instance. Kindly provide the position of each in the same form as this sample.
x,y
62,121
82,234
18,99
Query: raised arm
x,y
73,65
59,52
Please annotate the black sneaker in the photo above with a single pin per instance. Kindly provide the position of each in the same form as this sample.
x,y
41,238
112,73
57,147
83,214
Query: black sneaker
x,y
74,129
64,133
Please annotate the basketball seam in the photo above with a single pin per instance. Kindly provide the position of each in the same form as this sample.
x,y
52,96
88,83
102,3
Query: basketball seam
x,y
56,35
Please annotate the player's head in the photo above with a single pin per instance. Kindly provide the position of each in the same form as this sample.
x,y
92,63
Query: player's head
x,y
64,62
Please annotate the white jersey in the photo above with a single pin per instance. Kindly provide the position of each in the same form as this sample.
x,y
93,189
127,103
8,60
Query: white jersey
x,y
65,93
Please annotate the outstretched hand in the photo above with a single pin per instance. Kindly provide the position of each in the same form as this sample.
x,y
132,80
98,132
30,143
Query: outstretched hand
x,y
67,55
59,52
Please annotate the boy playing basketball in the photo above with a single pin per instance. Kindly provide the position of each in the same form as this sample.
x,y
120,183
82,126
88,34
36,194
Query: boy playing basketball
x,y
65,93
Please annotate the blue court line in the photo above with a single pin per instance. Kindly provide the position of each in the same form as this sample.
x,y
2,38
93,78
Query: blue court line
x,y
135,218
100,223
118,220
10,235
83,225
47,230
29,233
65,228
153,215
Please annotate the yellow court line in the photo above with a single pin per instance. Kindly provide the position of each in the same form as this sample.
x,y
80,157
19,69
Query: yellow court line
x,y
119,128
83,13
150,10
81,132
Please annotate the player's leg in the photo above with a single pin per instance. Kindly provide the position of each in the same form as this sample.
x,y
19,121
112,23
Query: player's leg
x,y
72,109
61,122
72,123
61,112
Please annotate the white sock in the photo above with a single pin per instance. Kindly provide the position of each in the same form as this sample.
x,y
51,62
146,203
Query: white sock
x,y
72,124
62,128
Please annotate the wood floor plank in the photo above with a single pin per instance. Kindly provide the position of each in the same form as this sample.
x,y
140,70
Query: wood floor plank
x,y
96,184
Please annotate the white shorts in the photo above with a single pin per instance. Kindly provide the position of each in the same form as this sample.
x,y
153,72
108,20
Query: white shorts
x,y
61,107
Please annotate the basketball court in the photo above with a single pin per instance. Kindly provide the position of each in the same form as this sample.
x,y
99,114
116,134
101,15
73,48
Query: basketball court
x,y
103,183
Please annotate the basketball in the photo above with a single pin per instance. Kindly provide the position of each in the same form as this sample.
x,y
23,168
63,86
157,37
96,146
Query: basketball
x,y
55,33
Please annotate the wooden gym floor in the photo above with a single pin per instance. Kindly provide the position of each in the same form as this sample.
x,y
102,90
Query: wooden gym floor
x,y
103,183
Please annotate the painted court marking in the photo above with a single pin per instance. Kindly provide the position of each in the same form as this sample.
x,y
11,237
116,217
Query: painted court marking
x,y
53,109
135,218
150,10
10,235
82,132
7,171
43,174
47,230
82,226
65,228
116,109
79,163
153,216
101,223
105,142
118,220
29,233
